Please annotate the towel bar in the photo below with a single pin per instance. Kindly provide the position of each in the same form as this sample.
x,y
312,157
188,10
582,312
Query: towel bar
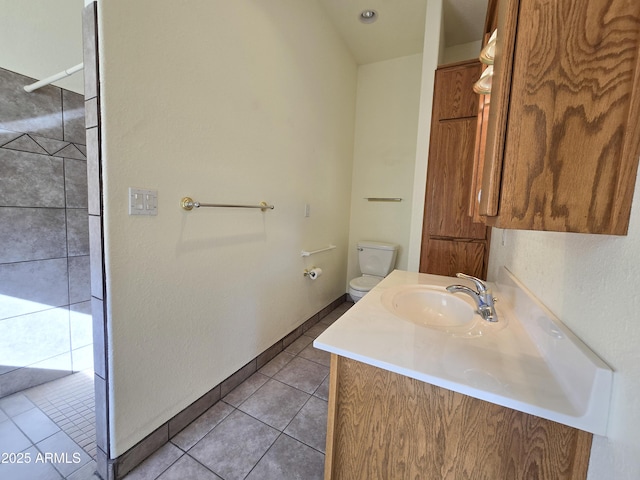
x,y
189,204
306,254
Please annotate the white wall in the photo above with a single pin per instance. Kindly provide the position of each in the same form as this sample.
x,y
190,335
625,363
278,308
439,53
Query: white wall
x,y
42,37
433,51
459,53
384,154
592,283
232,102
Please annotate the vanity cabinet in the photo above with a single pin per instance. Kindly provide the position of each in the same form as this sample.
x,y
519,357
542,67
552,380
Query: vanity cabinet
x,y
452,241
563,136
382,425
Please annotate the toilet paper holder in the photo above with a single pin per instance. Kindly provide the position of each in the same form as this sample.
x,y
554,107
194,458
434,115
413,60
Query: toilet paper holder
x,y
312,273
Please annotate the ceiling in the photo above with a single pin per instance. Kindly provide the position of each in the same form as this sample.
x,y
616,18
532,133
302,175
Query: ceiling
x,y
399,30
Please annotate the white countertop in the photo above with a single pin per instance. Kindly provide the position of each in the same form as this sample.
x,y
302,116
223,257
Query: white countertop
x,y
534,364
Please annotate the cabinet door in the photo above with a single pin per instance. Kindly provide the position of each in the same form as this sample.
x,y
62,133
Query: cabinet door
x,y
450,180
453,98
507,20
383,425
448,257
568,133
484,107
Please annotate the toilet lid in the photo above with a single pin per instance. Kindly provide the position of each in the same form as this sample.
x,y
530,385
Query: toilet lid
x,y
364,284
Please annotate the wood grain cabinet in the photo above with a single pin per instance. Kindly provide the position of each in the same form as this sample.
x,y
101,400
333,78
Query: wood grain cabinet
x,y
452,241
384,426
563,136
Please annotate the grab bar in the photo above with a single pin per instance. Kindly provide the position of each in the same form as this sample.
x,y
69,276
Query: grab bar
x,y
189,204
383,199
306,254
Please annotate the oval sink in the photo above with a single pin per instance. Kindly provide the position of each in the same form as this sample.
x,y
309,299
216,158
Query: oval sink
x,y
428,306
434,307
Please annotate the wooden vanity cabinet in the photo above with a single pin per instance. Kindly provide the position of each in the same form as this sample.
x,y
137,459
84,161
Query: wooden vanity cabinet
x,y
563,136
382,425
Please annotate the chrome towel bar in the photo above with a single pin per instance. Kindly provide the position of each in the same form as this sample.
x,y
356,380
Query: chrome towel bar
x,y
383,199
189,204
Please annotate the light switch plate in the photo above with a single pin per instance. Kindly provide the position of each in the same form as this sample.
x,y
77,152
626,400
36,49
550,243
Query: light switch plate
x,y
143,202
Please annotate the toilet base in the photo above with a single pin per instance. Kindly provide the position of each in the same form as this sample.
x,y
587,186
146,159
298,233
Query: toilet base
x,y
356,295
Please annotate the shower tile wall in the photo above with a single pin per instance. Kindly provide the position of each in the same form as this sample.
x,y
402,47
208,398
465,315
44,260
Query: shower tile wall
x,y
45,294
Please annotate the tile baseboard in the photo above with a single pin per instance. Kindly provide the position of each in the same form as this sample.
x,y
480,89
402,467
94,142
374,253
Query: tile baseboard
x,y
117,468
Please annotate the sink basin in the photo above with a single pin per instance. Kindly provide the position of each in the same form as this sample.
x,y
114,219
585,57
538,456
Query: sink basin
x,y
428,306
434,307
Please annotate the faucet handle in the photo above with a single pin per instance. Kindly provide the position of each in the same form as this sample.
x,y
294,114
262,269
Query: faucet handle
x,y
480,285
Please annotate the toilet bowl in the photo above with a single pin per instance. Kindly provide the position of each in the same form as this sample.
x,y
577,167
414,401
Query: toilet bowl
x,y
359,286
376,261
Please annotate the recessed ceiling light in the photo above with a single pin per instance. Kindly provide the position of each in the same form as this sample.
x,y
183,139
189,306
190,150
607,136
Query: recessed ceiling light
x,y
368,16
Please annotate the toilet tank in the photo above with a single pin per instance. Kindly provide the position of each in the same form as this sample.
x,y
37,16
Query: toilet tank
x,y
377,258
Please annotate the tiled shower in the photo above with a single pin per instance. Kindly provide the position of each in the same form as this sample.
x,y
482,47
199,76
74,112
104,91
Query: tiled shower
x,y
45,307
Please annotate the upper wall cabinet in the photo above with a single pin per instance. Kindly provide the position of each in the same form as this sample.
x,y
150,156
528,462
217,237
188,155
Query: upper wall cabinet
x,y
563,136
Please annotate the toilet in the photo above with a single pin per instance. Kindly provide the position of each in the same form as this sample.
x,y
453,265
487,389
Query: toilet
x,y
376,261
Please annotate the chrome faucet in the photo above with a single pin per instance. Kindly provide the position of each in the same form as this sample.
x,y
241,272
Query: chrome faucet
x,y
483,297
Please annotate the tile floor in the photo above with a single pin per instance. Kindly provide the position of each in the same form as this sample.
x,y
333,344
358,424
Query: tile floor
x,y
48,432
272,426
70,403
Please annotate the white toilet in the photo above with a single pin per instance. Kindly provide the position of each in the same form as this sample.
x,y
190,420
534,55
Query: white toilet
x,y
376,260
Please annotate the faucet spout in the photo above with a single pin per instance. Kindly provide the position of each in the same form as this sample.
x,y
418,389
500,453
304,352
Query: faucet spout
x,y
483,297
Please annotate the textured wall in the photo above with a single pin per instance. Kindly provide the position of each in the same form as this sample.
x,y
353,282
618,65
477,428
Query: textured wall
x,y
230,102
591,283
45,323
